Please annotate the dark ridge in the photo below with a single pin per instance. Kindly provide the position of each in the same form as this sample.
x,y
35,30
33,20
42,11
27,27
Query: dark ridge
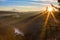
x,y
7,12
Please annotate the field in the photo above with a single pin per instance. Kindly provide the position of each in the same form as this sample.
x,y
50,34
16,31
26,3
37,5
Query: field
x,y
31,24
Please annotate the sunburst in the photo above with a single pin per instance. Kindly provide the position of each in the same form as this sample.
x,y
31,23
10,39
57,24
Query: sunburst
x,y
50,11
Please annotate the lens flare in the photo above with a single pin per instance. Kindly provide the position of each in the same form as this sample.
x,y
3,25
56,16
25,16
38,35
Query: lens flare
x,y
50,9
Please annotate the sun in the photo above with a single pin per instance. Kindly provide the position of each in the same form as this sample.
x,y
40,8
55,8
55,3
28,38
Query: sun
x,y
50,9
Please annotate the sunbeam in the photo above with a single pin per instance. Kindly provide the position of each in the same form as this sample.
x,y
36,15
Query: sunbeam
x,y
44,27
46,21
30,21
54,17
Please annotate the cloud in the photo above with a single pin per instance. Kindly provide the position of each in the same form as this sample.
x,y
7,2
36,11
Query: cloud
x,y
43,2
40,4
21,8
46,0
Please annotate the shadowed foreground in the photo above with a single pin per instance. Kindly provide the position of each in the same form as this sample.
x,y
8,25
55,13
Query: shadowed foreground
x,y
31,24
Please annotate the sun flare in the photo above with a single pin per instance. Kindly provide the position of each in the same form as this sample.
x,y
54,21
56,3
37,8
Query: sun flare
x,y
50,9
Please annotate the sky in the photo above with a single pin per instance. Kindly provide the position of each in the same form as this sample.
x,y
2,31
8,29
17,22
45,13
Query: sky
x,y
24,4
